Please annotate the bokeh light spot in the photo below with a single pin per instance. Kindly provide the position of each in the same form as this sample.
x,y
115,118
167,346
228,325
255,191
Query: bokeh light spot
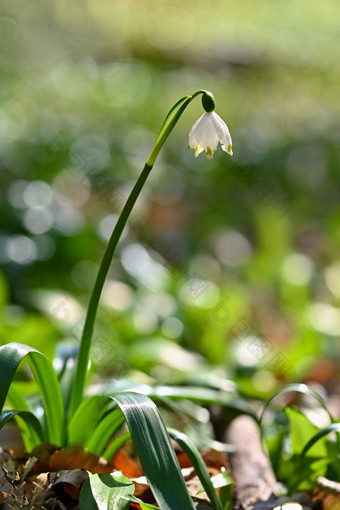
x,y
38,193
172,327
38,220
21,249
232,248
297,269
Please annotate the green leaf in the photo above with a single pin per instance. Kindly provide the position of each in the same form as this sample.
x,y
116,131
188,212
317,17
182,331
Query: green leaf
x,y
149,436
302,469
333,427
84,422
17,400
222,479
144,506
275,446
93,425
11,356
196,394
224,482
115,445
299,388
168,116
301,429
106,492
226,497
105,430
33,432
197,462
155,451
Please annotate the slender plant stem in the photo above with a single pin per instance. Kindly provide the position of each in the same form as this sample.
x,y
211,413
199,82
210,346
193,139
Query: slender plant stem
x,y
84,351
83,356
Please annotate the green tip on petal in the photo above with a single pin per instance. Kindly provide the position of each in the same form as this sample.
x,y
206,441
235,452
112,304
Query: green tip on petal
x,y
209,153
230,149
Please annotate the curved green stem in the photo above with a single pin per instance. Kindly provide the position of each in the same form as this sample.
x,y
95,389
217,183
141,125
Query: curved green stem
x,y
170,123
84,351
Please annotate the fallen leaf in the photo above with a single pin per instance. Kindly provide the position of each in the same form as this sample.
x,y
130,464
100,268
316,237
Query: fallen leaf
x,y
71,481
124,463
52,459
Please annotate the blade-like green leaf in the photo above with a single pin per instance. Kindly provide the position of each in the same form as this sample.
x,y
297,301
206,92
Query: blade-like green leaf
x,y
84,422
299,388
302,429
106,492
223,482
333,427
17,400
155,451
11,355
115,445
197,462
144,506
201,395
220,480
197,394
105,430
33,431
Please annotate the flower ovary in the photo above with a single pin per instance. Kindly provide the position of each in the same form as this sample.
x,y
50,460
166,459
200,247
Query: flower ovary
x,y
208,102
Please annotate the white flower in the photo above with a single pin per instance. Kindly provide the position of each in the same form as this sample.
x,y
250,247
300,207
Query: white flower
x,y
205,134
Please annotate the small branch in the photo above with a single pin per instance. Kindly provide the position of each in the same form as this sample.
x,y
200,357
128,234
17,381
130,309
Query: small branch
x,y
250,467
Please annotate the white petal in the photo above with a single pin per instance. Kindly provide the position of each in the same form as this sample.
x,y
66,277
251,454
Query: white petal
x,y
198,150
194,133
226,140
207,132
221,128
224,135
228,149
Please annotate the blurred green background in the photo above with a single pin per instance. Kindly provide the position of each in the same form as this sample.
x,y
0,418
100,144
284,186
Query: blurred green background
x,y
235,259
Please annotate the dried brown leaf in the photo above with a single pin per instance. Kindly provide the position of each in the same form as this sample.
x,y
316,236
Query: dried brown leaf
x,y
51,459
124,463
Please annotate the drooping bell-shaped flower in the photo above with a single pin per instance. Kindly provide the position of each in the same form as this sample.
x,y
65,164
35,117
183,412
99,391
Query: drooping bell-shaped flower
x,y
209,130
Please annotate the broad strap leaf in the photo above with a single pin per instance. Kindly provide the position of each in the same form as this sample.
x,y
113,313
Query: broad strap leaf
x,y
155,451
85,420
33,426
11,355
